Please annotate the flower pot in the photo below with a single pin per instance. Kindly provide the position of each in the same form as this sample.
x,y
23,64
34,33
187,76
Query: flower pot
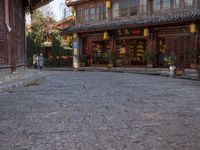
x,y
82,64
149,65
172,70
193,66
110,65
179,72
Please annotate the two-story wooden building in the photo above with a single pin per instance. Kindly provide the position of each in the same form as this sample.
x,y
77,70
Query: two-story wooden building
x,y
131,27
12,32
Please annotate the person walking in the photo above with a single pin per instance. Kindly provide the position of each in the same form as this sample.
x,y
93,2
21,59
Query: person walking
x,y
35,61
41,61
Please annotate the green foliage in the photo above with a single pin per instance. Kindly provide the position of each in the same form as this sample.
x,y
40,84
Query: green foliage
x,y
193,55
58,62
83,58
149,56
35,38
56,44
170,60
29,62
198,67
108,57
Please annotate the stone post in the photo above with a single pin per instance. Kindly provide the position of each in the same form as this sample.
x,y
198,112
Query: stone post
x,y
76,47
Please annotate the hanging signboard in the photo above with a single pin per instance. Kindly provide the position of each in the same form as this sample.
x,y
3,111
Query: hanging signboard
x,y
130,32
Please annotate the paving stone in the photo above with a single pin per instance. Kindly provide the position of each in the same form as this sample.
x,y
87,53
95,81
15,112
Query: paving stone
x,y
101,111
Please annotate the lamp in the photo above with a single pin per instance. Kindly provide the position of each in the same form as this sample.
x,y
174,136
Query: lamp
x,y
146,32
193,28
108,5
105,35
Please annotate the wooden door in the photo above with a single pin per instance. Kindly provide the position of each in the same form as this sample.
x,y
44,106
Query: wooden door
x,y
19,29
179,46
3,42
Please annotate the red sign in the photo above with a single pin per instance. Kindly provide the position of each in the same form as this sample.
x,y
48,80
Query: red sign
x,y
136,32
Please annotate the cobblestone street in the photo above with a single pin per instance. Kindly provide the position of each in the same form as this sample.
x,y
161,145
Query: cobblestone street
x,y
102,111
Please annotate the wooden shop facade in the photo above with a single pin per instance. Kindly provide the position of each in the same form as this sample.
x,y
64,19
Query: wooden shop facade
x,y
131,27
12,32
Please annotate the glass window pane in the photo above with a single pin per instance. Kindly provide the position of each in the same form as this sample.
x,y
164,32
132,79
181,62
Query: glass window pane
x,y
189,3
98,13
86,15
177,3
92,13
156,5
115,10
105,12
166,4
143,6
133,7
123,6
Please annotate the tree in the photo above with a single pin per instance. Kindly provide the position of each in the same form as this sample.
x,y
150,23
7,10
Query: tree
x,y
35,38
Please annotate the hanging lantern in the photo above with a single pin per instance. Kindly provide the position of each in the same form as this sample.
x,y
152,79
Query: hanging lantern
x,y
146,32
68,39
193,28
108,4
105,35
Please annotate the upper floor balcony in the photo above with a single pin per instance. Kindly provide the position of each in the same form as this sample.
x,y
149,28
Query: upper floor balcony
x,y
94,11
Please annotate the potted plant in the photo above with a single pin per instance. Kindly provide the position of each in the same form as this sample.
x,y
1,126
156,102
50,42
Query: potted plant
x,y
171,61
193,57
126,58
82,60
149,57
108,58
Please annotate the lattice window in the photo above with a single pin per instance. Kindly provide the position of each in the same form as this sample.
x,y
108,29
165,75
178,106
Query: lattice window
x,y
143,6
1,12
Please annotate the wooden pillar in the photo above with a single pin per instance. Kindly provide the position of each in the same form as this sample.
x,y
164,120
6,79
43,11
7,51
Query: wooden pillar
x,y
11,32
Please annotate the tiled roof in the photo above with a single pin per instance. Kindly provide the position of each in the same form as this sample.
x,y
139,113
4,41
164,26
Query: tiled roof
x,y
37,3
148,21
74,2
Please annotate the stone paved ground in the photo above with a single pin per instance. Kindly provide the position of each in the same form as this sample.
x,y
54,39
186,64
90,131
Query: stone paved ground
x,y
102,111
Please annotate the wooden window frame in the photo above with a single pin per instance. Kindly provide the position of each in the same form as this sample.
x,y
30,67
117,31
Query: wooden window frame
x,y
179,7
104,10
162,10
188,7
90,16
2,15
129,8
98,15
139,8
118,17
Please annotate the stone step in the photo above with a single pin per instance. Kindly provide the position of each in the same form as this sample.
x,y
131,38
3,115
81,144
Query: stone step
x,y
22,78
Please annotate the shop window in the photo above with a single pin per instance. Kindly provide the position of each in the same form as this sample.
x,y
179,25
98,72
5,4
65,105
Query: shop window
x,y
156,5
177,4
133,7
188,3
123,8
92,14
143,6
115,10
